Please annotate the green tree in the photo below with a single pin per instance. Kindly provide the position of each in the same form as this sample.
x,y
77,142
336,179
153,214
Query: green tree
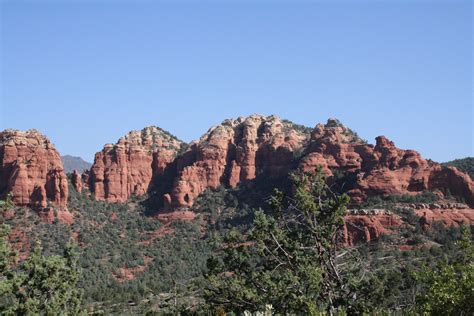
x,y
448,289
8,278
7,204
41,285
50,284
289,259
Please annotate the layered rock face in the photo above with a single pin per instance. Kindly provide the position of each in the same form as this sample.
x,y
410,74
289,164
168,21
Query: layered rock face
x,y
449,214
365,225
240,149
368,225
76,180
237,150
127,168
379,170
31,169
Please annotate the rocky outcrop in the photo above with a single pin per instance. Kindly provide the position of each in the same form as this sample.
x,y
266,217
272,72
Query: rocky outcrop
x,y
127,168
235,151
365,225
448,217
50,215
368,227
31,169
76,180
239,150
379,170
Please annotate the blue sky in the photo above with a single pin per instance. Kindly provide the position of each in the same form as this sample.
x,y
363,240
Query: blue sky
x,y
86,72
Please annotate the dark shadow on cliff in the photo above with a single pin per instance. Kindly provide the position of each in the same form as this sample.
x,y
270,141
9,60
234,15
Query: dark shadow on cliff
x,y
234,207
159,185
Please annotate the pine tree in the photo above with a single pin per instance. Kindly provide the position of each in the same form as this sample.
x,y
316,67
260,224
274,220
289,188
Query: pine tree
x,y
39,285
49,284
448,289
290,259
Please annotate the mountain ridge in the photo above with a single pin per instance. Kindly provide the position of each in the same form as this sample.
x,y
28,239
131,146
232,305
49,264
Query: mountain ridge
x,y
77,163
153,161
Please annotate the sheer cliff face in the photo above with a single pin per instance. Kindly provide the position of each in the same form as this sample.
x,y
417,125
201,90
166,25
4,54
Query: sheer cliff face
x,y
240,149
235,151
382,169
31,169
127,168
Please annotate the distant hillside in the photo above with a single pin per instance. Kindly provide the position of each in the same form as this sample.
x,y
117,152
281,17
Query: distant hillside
x,y
70,163
465,165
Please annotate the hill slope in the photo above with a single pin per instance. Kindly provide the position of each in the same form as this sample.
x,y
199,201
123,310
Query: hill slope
x,y
72,163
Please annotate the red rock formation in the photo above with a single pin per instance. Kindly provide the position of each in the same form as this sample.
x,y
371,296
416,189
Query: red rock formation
x,y
76,180
49,215
382,169
366,228
127,168
369,224
235,151
127,274
448,217
31,169
238,150
85,177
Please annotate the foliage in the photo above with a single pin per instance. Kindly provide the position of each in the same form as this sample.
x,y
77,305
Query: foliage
x,y
49,285
8,278
288,259
423,197
118,237
289,125
448,288
40,285
7,204
169,259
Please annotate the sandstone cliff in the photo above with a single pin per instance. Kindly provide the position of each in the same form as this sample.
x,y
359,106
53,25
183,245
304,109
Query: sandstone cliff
x,y
369,226
76,180
127,168
235,151
379,170
239,150
31,169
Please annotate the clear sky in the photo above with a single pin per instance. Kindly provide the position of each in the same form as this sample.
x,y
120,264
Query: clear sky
x,y
86,72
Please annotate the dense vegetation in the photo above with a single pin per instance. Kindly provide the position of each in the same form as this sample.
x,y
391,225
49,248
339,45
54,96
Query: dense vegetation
x,y
289,257
131,263
39,284
126,256
465,165
289,262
